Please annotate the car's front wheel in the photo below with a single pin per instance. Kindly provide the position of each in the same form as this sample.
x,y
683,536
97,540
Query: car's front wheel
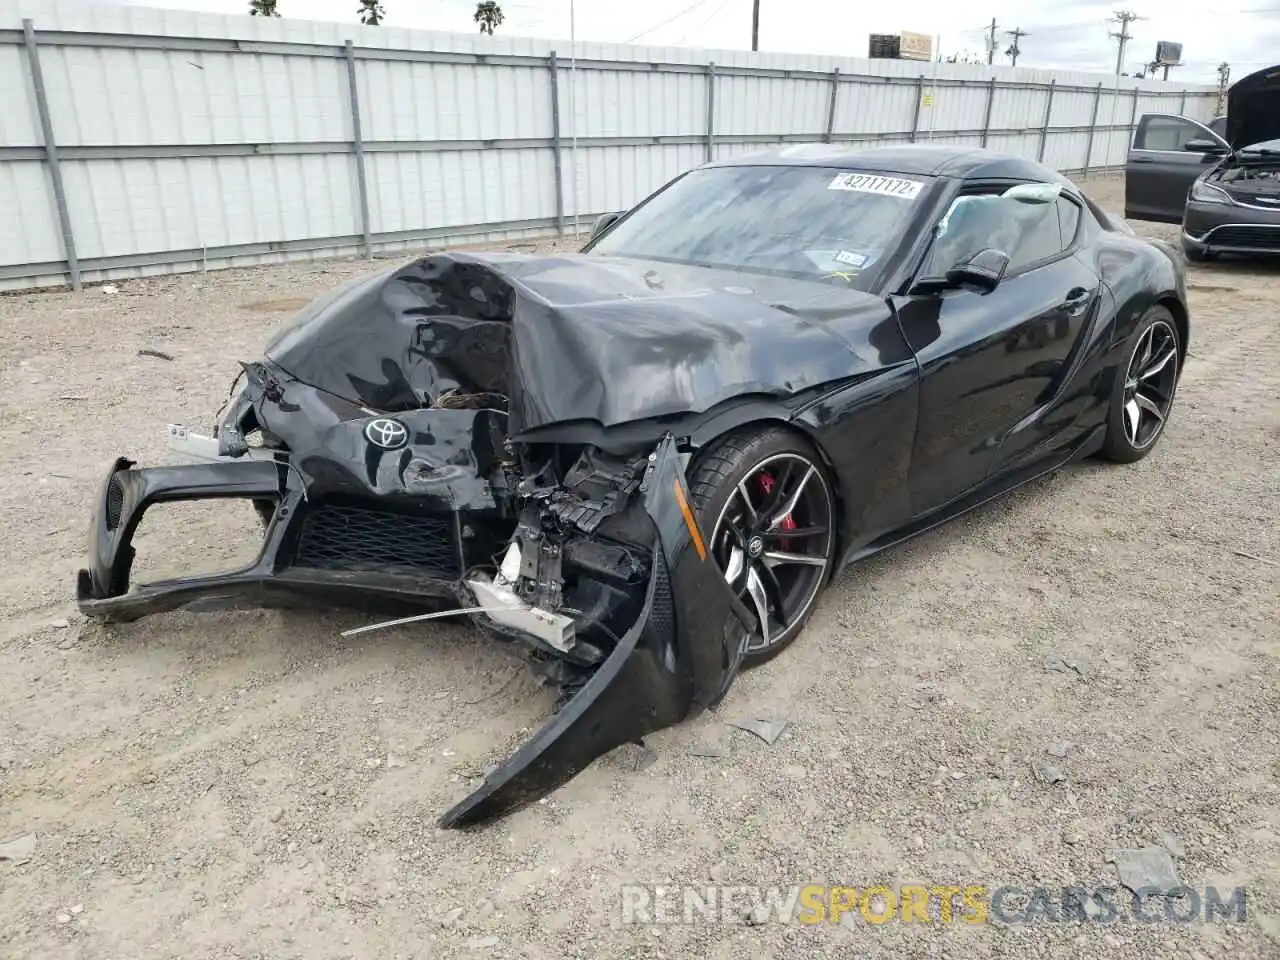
x,y
767,501
1142,398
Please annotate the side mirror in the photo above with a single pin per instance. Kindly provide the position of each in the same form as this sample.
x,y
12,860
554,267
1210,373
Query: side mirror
x,y
984,270
1204,146
603,223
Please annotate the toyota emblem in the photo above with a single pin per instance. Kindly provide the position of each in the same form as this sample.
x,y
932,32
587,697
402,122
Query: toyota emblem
x,y
386,434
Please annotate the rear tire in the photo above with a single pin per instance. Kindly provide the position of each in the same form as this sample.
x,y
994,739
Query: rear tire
x,y
1142,397
767,507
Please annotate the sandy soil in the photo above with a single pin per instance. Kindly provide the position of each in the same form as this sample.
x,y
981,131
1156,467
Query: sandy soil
x,y
250,784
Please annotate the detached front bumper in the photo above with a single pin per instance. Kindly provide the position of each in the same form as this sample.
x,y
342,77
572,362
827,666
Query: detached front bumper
x,y
681,652
273,579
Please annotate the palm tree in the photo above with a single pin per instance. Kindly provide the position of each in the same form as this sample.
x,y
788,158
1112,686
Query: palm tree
x,y
371,13
488,15
263,8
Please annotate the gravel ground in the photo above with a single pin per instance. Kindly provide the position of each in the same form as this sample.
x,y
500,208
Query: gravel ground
x,y
249,784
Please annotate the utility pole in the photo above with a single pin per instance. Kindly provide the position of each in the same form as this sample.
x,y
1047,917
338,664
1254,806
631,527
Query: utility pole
x,y
1224,81
991,42
1013,52
755,25
1124,18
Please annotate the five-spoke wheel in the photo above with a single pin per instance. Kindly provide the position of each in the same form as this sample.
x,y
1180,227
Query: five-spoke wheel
x,y
1143,399
769,506
1149,384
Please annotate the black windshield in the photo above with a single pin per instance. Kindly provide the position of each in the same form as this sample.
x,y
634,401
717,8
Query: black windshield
x,y
814,222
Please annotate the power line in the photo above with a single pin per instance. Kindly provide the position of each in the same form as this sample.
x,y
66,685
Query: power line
x,y
1012,53
658,26
703,22
1124,18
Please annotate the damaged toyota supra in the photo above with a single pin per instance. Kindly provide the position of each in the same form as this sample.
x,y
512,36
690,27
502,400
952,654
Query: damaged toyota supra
x,y
642,463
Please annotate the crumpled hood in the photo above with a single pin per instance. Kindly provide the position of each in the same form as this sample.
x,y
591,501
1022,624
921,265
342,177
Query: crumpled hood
x,y
579,337
1253,108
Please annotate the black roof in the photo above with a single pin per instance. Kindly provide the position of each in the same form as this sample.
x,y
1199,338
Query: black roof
x,y
921,159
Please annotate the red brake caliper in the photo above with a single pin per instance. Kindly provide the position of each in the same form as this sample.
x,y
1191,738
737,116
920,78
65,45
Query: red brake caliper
x,y
767,484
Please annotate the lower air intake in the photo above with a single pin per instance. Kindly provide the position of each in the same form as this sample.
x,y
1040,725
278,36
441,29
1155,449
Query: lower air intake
x,y
374,541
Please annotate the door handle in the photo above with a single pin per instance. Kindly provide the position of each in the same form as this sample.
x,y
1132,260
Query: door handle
x,y
1143,160
1077,299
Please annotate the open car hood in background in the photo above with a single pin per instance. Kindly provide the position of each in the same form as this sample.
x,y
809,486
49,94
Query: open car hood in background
x,y
1253,108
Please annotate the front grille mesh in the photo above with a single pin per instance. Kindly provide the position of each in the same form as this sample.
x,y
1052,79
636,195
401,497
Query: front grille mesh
x,y
115,502
360,539
1265,238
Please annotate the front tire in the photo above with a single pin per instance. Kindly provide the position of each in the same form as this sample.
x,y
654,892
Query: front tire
x,y
766,499
1142,397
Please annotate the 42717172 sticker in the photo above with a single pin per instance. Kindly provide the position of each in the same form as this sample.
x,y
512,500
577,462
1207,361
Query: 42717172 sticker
x,y
898,187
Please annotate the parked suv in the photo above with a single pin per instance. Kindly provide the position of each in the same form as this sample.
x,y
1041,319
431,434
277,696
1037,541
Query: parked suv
x,y
1220,180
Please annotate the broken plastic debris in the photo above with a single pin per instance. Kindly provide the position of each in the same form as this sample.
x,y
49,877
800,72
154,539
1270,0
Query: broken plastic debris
x,y
767,730
19,848
1148,867
1049,773
1171,843
714,751
1062,663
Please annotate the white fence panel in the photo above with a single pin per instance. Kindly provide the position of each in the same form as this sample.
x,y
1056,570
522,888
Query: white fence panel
x,y
190,139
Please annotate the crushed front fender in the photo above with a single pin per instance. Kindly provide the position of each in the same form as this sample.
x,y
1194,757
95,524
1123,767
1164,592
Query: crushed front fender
x,y
681,654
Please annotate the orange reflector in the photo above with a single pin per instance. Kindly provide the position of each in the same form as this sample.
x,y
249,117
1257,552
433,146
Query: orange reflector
x,y
690,522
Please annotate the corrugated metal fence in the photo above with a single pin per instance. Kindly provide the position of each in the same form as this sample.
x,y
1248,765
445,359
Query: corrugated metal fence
x,y
152,141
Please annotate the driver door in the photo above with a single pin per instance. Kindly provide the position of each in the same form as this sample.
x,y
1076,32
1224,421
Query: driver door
x,y
987,360
1160,169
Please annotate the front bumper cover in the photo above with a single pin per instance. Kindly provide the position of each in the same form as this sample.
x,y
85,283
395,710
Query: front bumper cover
x,y
681,653
103,589
1237,228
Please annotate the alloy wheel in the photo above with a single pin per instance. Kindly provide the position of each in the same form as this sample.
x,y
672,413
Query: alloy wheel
x,y
773,542
1149,385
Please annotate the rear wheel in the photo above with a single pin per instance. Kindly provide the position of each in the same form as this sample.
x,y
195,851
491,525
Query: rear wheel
x,y
1143,398
768,503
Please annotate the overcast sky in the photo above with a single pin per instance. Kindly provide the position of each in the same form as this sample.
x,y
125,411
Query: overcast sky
x,y
1245,33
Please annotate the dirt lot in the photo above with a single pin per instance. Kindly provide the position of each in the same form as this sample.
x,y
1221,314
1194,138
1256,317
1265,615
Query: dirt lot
x,y
250,784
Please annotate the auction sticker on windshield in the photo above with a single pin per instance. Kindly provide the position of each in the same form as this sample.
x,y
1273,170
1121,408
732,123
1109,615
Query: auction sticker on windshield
x,y
898,187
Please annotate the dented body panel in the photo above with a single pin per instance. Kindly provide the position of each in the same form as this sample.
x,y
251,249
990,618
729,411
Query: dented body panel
x,y
581,338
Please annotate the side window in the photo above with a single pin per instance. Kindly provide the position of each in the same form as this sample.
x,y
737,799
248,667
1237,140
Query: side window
x,y
972,224
1027,232
1219,126
1039,233
1165,133
1068,220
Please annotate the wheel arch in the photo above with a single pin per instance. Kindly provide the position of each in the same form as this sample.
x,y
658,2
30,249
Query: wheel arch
x,y
1182,319
762,419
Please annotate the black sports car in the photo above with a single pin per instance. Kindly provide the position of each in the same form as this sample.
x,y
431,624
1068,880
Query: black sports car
x,y
644,461
1221,181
